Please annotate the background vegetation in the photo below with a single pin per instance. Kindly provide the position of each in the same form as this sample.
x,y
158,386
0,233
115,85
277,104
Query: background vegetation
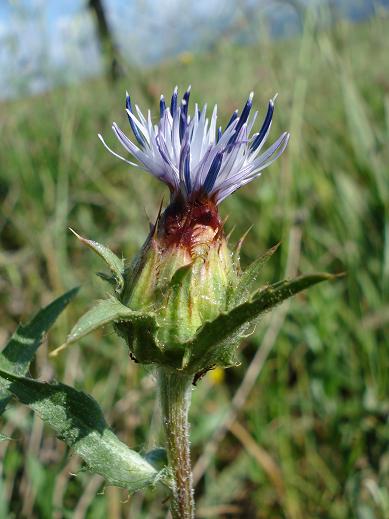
x,y
300,430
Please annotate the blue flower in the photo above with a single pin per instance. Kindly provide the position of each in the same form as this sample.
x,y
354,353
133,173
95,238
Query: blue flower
x,y
194,157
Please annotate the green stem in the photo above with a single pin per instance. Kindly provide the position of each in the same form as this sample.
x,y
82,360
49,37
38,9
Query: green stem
x,y
174,393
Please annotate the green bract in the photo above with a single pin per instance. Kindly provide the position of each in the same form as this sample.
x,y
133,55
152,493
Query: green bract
x,y
186,308
183,290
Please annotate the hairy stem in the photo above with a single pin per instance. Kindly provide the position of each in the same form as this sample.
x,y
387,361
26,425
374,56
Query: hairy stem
x,y
174,392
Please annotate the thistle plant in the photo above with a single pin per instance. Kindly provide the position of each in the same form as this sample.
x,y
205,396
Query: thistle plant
x,y
182,305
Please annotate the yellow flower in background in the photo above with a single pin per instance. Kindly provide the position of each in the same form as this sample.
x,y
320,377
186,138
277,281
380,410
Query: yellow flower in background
x,y
217,375
185,58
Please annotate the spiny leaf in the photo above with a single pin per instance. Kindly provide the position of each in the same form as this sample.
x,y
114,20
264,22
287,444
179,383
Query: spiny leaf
x,y
20,349
249,278
78,420
3,437
114,263
105,312
216,340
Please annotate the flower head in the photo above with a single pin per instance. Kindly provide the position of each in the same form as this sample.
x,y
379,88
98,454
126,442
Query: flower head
x,y
185,272
184,302
191,155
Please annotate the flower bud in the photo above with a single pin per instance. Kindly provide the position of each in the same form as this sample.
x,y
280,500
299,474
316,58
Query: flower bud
x,y
184,272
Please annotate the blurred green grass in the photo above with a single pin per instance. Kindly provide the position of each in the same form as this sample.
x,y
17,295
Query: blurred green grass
x,y
320,406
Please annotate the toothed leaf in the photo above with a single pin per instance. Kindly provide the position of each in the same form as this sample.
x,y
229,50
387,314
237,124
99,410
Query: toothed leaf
x,y
139,329
115,264
20,349
217,340
105,312
78,420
